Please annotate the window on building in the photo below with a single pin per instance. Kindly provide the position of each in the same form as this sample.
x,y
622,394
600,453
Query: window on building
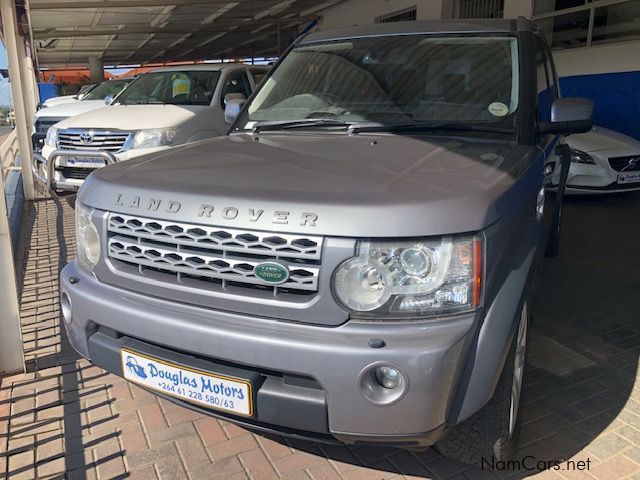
x,y
581,23
480,9
406,15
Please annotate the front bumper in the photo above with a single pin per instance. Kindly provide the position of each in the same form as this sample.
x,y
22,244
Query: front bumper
x,y
327,404
598,178
69,178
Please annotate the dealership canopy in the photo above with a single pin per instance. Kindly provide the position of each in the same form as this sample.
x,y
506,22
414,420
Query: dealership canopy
x,y
66,33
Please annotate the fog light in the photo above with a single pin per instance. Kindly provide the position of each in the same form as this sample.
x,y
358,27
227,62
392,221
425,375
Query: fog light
x,y
388,377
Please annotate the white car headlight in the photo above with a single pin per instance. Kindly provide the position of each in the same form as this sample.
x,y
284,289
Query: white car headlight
x,y
420,277
87,238
155,137
578,156
52,137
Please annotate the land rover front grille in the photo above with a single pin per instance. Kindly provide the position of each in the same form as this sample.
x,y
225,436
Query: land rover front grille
x,y
92,140
625,164
211,254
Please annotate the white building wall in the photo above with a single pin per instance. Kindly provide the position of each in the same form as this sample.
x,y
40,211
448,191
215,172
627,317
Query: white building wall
x,y
611,58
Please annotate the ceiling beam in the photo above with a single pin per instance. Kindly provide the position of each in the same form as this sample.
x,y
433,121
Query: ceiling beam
x,y
58,5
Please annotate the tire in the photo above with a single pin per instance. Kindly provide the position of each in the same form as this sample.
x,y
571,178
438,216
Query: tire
x,y
553,242
491,434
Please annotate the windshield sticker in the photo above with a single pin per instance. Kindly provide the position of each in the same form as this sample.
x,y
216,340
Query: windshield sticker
x,y
498,109
181,85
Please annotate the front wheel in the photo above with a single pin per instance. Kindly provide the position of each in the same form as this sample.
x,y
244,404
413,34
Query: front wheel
x,y
491,433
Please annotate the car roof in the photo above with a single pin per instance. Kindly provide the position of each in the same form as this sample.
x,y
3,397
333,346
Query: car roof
x,y
491,25
209,67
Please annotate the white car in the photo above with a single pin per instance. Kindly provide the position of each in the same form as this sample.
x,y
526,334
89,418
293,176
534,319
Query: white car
x,y
46,117
52,102
160,109
603,161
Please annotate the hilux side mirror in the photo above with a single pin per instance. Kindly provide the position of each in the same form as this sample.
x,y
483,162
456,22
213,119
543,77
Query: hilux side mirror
x,y
108,99
569,115
233,103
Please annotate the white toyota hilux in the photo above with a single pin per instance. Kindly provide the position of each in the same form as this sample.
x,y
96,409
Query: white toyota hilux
x,y
160,109
96,98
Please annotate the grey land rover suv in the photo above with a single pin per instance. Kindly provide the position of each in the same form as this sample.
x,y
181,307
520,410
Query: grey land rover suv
x,y
354,261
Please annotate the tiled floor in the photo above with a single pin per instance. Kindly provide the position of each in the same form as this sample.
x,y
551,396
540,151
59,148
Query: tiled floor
x,y
68,419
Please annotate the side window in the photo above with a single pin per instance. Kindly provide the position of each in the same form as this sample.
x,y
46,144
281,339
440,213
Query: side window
x,y
258,75
236,82
547,87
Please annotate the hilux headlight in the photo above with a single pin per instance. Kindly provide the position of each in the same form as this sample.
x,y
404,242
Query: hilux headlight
x,y
421,277
87,238
155,137
52,137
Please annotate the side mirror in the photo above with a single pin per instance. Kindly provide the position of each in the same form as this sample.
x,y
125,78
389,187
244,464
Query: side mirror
x,y
233,103
108,99
569,115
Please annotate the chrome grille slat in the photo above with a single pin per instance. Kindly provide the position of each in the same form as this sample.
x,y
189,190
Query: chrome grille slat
x,y
227,239
228,255
110,141
204,265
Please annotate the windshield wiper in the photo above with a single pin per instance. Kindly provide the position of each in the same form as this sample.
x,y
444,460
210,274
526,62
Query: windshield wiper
x,y
427,127
306,123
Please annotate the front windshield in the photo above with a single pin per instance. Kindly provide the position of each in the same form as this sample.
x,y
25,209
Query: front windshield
x,y
194,87
395,79
105,89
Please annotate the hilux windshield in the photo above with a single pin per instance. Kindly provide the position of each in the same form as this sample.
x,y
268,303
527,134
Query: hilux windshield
x,y
194,87
105,89
453,81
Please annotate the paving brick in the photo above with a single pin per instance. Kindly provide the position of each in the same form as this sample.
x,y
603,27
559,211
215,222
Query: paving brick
x,y
233,446
614,468
222,468
256,463
152,418
210,430
296,462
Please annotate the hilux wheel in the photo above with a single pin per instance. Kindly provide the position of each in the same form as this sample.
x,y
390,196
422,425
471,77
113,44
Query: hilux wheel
x,y
491,433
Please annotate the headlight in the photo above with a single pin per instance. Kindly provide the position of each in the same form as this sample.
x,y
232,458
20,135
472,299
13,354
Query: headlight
x,y
157,137
408,278
52,137
578,156
87,238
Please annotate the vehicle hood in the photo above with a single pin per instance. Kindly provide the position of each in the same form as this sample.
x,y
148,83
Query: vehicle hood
x,y
356,185
60,100
133,117
600,138
70,109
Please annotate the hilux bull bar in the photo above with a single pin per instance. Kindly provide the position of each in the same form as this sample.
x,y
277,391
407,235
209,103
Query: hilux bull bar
x,y
43,169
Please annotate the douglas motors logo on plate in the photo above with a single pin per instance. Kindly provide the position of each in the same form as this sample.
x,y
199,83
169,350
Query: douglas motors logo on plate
x,y
272,273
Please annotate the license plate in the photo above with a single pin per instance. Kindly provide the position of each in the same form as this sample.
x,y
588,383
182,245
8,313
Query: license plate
x,y
205,388
629,177
85,161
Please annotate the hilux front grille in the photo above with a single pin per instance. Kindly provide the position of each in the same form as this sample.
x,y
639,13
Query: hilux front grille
x,y
92,140
211,254
43,124
625,164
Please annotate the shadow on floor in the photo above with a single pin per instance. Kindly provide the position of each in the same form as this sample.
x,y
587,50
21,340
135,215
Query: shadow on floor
x,y
61,401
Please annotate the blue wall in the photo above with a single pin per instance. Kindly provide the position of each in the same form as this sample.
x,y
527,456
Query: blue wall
x,y
47,91
616,98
